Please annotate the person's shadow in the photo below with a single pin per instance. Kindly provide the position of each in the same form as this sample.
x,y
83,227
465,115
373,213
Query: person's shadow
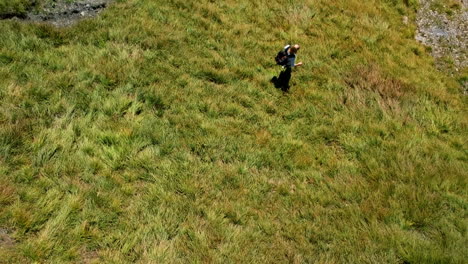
x,y
282,81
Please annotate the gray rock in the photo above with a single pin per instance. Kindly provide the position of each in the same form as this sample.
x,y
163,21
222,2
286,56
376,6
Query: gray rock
x,y
446,35
65,13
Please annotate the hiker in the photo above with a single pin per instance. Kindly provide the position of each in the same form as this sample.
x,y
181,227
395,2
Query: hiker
x,y
286,58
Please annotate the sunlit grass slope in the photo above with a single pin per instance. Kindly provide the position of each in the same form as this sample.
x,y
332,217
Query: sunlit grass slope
x,y
151,134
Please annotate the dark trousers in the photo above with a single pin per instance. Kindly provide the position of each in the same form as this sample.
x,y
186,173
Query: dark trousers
x,y
282,81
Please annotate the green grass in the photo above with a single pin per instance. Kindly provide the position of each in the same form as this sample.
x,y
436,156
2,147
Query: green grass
x,y
9,8
448,7
151,134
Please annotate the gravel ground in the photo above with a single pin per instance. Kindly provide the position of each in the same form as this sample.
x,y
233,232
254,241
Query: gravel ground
x,y
447,35
63,13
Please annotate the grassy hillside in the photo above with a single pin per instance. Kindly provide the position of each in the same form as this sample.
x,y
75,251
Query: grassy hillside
x,y
151,134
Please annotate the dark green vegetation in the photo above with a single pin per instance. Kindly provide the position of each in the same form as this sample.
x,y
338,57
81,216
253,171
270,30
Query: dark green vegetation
x,y
152,134
10,8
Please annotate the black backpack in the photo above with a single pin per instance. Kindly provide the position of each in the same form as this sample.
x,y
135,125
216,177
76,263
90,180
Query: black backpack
x,y
282,56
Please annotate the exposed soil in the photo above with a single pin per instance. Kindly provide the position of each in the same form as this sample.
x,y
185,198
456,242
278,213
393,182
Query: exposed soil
x,y
445,30
446,34
6,240
64,13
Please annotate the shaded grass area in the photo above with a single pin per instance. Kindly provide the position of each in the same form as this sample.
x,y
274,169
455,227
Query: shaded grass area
x,y
12,8
152,134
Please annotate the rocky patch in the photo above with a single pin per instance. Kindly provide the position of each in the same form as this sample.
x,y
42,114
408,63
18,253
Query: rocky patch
x,y
64,13
6,241
443,26
446,34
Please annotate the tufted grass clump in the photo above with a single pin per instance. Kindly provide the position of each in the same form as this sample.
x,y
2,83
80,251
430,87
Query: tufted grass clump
x,y
18,8
448,7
